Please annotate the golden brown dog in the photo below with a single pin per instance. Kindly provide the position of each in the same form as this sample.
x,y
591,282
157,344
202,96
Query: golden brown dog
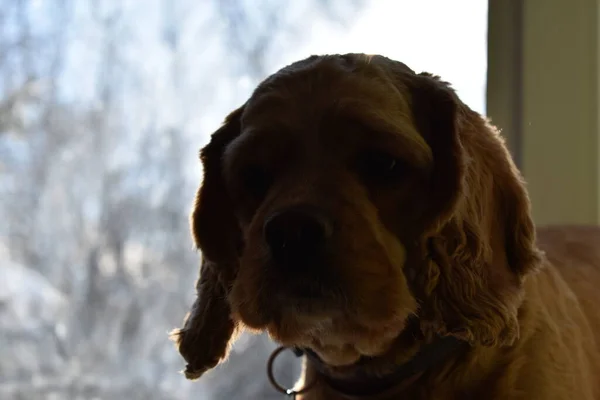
x,y
363,213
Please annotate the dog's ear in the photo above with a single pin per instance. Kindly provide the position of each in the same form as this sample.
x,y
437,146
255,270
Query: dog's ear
x,y
478,238
209,327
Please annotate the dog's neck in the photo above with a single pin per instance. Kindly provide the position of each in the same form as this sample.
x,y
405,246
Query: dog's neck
x,y
411,359
362,383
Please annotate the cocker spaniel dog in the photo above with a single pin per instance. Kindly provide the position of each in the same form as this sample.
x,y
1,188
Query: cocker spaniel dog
x,y
362,214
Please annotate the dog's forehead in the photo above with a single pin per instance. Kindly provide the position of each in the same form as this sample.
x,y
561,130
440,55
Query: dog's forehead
x,y
351,87
323,84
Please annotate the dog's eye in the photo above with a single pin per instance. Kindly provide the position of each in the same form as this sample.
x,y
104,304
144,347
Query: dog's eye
x,y
380,167
256,180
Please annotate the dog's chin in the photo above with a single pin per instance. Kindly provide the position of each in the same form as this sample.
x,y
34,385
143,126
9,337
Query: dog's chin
x,y
323,321
337,338
312,337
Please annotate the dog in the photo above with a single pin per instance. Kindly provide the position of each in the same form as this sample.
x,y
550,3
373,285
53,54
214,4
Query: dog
x,y
362,214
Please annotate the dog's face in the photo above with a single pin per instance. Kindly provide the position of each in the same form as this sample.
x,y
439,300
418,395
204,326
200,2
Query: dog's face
x,y
327,198
325,193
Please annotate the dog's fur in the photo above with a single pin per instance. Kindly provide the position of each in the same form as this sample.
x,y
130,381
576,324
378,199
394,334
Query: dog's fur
x,y
443,246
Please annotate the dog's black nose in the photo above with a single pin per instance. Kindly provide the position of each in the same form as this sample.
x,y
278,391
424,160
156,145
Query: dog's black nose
x,y
297,235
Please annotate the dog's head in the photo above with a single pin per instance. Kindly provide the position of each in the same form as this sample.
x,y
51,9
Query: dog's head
x,y
346,196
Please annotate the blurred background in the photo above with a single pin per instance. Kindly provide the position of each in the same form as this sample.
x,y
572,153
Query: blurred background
x,y
105,103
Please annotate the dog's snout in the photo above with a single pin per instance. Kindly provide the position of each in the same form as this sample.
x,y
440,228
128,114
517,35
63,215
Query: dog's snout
x,y
297,235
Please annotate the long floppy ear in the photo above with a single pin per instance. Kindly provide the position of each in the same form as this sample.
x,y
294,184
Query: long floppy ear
x,y
478,241
209,327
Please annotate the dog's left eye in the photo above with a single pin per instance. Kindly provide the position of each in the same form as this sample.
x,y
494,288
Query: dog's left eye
x,y
380,167
256,180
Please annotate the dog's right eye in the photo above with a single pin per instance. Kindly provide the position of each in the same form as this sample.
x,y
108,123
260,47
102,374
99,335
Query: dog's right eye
x,y
380,167
256,180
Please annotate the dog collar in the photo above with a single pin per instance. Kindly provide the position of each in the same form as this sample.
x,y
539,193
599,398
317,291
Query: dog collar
x,y
361,385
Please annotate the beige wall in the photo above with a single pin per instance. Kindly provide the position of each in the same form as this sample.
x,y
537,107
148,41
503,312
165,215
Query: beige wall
x,y
543,88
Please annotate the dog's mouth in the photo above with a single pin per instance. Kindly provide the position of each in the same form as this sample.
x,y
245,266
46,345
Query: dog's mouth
x,y
309,299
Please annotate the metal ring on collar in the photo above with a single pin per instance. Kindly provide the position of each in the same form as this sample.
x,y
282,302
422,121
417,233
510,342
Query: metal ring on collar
x,y
276,385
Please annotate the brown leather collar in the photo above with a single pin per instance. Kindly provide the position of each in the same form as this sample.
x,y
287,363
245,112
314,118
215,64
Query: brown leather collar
x,y
365,385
